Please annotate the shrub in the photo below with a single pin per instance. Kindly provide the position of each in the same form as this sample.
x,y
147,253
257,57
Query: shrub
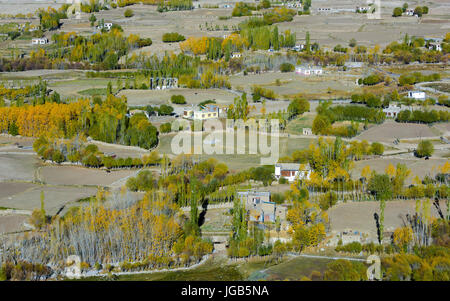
x,y
128,13
353,247
377,148
287,67
425,148
165,127
172,37
178,99
398,11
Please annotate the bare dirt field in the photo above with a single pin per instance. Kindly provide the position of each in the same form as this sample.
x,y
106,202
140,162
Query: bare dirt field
x,y
17,167
8,189
390,130
72,175
24,141
27,6
359,215
193,96
418,167
121,151
310,87
12,223
55,197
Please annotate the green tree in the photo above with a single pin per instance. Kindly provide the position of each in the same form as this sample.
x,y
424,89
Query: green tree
x,y
380,186
321,125
418,11
425,148
298,106
397,12
128,13
377,148
92,19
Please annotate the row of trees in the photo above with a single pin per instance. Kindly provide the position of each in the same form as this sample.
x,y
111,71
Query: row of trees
x,y
106,121
419,116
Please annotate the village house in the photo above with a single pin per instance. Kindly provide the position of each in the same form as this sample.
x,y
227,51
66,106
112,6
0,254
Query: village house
x,y
309,70
409,12
298,47
435,46
236,55
208,111
292,171
39,41
106,26
307,131
259,207
418,95
392,111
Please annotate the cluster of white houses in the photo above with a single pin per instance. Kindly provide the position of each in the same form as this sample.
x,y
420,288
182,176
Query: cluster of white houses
x,y
106,26
39,41
309,70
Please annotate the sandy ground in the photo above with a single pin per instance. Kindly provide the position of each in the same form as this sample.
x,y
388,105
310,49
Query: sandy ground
x,y
121,151
418,167
72,175
359,215
8,189
27,6
12,223
55,197
390,130
17,167
193,96
292,83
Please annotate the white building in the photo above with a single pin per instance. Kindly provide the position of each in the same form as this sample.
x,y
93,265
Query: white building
x,y
106,26
292,171
418,95
209,111
309,70
298,47
392,111
39,41
409,12
435,46
236,55
307,131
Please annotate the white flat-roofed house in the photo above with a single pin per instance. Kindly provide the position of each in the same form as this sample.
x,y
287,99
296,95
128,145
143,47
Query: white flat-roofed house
x,y
107,25
236,55
307,131
292,171
418,95
409,12
435,46
309,70
392,111
209,111
39,41
298,47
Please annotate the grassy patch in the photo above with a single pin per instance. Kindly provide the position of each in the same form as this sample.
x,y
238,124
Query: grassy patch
x,y
294,269
297,125
93,91
443,87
